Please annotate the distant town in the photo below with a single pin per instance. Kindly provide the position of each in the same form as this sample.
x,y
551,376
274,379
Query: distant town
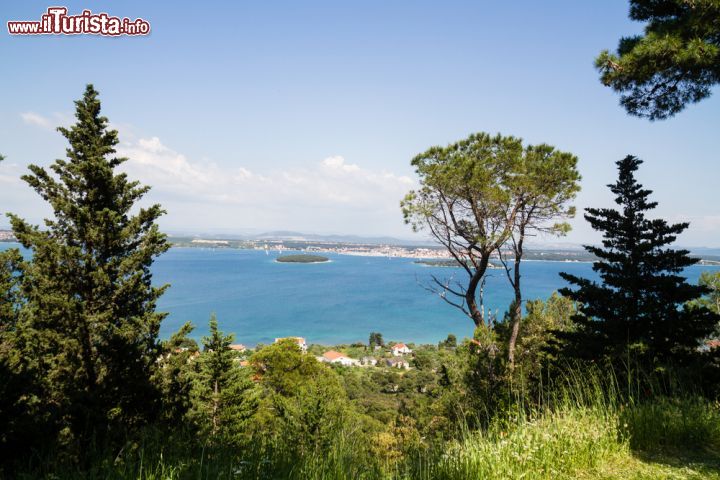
x,y
373,248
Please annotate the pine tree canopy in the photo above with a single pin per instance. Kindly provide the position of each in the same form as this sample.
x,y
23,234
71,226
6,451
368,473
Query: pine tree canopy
x,y
219,358
675,63
90,302
640,306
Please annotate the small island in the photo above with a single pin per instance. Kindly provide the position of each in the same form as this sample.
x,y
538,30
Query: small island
x,y
438,262
302,258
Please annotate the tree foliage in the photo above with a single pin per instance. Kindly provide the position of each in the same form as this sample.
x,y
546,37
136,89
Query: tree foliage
x,y
449,342
466,203
301,403
540,325
547,182
20,419
711,282
176,373
639,307
375,340
88,319
220,407
674,63
484,196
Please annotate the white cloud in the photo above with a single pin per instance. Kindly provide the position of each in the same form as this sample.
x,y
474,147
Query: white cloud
x,y
10,173
330,194
36,119
332,179
330,190
45,122
337,163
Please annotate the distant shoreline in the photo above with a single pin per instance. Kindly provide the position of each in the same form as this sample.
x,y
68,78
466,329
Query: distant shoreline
x,y
396,252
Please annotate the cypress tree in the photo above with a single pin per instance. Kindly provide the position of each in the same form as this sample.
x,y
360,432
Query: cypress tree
x,y
89,306
639,309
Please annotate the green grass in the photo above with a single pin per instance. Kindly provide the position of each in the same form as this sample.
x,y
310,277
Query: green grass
x,y
659,439
584,431
665,438
554,445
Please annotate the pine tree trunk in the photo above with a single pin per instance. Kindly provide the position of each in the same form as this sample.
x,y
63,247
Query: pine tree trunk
x,y
517,310
477,314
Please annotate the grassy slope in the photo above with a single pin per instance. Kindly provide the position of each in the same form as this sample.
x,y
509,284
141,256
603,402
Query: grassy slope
x,y
660,439
671,438
668,466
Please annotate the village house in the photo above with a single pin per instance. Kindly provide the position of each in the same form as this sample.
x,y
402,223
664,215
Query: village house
x,y
336,357
397,363
299,340
368,361
400,349
238,347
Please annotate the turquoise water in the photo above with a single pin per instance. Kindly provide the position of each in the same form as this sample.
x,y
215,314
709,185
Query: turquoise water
x,y
342,301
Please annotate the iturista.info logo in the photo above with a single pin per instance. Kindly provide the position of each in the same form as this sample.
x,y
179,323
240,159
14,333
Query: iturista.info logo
x,y
56,21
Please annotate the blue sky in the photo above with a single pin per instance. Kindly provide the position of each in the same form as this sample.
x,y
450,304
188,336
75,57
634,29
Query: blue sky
x,y
252,116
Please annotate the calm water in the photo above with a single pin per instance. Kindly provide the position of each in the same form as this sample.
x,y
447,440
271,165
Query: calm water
x,y
342,301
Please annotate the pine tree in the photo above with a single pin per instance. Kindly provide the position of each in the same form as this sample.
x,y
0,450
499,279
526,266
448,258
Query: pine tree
x,y
640,306
89,306
176,373
674,63
216,366
219,404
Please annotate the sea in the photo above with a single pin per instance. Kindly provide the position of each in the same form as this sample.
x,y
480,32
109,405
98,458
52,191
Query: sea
x,y
341,301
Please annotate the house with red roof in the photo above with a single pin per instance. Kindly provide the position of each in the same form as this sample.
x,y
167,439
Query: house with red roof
x,y
400,349
336,357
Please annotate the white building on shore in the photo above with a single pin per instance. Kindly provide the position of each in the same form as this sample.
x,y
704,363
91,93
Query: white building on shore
x,y
336,357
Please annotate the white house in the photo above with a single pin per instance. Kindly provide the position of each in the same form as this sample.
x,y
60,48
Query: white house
x,y
337,357
299,340
397,363
369,361
400,349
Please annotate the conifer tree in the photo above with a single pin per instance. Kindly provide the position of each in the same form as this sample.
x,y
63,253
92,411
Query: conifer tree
x,y
219,404
176,373
639,309
216,365
17,417
89,303
674,63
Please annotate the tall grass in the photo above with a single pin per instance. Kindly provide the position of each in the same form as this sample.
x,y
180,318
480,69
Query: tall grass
x,y
583,424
